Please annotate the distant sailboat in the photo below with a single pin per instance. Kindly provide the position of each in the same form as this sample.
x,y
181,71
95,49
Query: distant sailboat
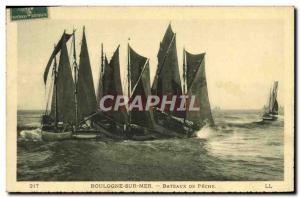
x,y
271,110
216,109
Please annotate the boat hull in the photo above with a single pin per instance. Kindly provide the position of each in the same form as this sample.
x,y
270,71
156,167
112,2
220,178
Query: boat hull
x,y
138,133
52,136
86,136
269,117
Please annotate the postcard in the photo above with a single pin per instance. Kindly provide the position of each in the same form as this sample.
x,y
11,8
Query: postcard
x,y
150,99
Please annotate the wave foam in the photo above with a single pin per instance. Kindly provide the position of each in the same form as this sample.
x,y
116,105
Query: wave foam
x,y
205,132
35,134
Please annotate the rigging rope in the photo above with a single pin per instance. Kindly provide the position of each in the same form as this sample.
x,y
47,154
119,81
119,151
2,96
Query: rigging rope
x,y
140,77
102,113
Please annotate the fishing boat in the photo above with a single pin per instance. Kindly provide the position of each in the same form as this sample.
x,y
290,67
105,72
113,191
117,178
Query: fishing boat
x,y
78,112
167,82
73,95
113,121
133,123
271,109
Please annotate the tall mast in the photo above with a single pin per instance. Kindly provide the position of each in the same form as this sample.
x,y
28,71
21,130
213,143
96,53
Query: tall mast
x,y
55,84
102,61
75,77
129,82
184,72
101,73
184,77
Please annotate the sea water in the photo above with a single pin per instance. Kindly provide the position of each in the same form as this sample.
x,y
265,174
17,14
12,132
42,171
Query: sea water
x,y
239,148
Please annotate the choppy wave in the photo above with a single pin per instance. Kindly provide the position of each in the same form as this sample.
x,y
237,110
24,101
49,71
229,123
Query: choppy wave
x,y
205,132
34,135
240,147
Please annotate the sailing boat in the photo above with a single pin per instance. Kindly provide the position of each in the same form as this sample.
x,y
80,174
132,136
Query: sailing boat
x,y
122,124
112,121
195,82
141,121
72,100
142,124
138,85
271,110
167,82
77,112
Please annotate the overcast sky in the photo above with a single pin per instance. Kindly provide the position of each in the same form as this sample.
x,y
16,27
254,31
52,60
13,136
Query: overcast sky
x,y
243,56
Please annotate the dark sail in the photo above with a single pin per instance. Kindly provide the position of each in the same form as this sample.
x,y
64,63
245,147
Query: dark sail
x,y
112,86
167,80
271,110
86,98
273,100
140,86
197,86
65,105
275,108
55,52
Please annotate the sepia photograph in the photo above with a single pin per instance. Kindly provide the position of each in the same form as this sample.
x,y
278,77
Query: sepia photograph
x,y
119,99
